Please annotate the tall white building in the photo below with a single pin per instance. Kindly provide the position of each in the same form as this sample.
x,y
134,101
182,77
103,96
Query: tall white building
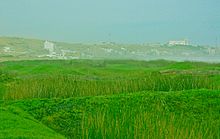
x,y
49,46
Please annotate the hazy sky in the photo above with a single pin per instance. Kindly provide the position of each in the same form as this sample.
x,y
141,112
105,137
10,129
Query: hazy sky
x,y
127,21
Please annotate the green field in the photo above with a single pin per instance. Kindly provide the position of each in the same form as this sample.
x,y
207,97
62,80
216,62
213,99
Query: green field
x,y
109,99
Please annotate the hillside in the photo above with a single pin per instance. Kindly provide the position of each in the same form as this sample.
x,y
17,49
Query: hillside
x,y
23,49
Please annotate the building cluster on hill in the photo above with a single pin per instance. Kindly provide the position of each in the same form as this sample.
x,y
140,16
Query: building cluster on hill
x,y
178,42
65,54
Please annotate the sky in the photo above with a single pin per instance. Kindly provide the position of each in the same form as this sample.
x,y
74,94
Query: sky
x,y
123,21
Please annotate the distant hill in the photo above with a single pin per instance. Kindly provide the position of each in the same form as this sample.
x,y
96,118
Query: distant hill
x,y
29,49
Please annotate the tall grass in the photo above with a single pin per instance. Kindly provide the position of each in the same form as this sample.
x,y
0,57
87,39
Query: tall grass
x,y
146,125
5,78
165,117
54,86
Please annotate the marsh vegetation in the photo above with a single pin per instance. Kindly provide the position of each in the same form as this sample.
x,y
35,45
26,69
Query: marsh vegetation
x,y
115,98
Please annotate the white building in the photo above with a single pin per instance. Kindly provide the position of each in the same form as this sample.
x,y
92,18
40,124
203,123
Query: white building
x,y
178,42
7,49
211,51
49,46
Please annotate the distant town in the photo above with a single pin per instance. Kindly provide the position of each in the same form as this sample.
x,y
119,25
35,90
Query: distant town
x,y
172,50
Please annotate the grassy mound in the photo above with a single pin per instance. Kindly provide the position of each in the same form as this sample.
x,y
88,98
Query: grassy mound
x,y
17,124
184,114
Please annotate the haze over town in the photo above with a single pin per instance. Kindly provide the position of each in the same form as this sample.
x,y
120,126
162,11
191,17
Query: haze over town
x,y
122,21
